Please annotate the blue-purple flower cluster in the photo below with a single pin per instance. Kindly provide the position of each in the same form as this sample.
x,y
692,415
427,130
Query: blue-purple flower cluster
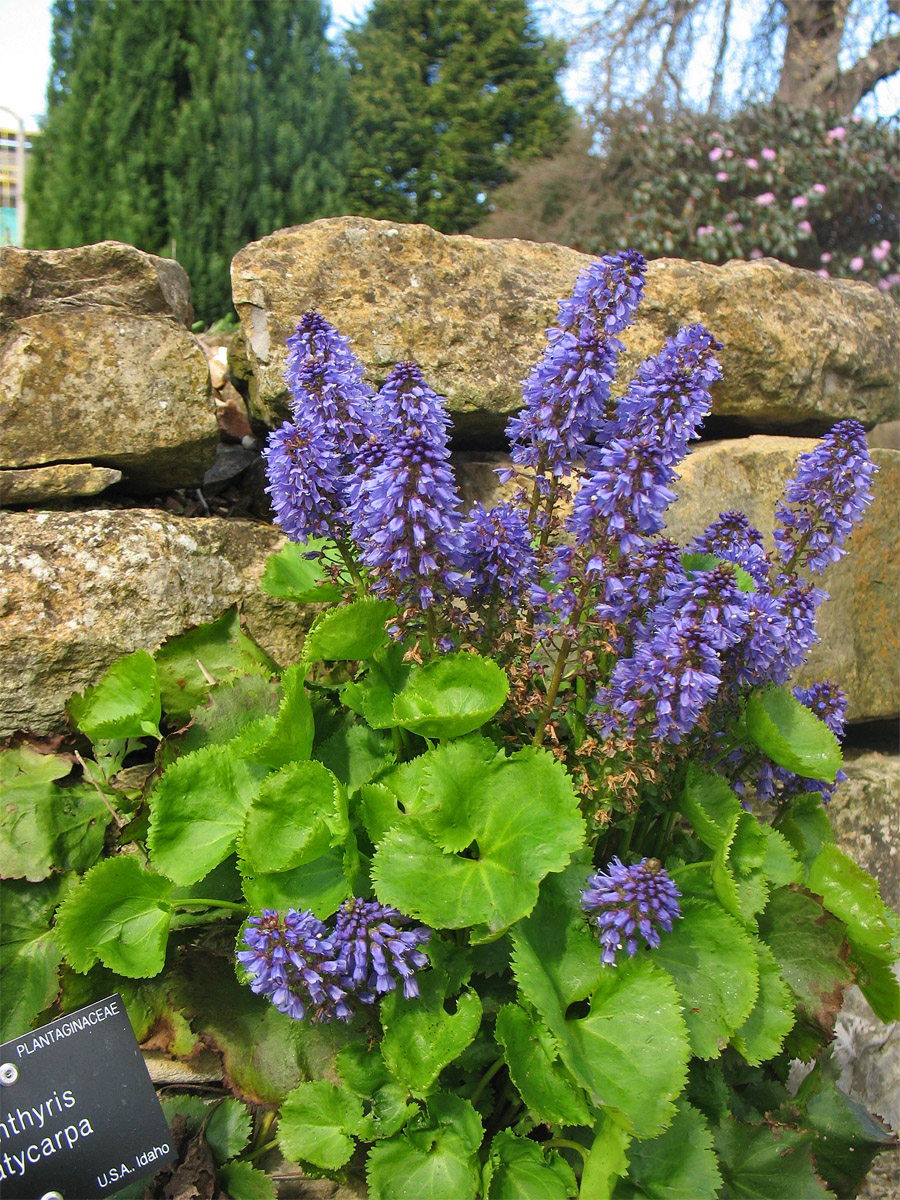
x,y
309,971
684,634
627,902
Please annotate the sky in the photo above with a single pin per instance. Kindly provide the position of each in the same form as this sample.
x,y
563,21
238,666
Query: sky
x,y
25,52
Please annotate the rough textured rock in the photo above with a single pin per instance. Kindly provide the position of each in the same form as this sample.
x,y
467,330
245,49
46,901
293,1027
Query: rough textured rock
x,y
96,365
865,816
472,313
859,625
37,485
77,590
106,274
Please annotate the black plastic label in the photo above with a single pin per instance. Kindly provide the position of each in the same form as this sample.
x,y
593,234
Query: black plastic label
x,y
78,1111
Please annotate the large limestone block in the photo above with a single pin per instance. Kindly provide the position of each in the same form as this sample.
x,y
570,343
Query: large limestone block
x,y
77,590
472,313
859,625
109,274
97,366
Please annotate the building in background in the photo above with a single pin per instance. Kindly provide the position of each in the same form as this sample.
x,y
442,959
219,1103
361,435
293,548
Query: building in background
x,y
15,150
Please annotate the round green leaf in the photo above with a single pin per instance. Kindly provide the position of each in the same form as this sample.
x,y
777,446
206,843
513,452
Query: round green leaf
x,y
421,1037
772,1018
352,631
791,735
532,1056
291,574
852,895
242,1179
125,703
452,696
295,817
228,1129
519,1169
119,913
198,809
29,954
433,1159
317,1124
321,885
513,819
679,1164
711,958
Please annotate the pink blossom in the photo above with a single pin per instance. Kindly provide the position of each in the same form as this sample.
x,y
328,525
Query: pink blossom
x,y
705,230
893,280
880,253
837,134
826,257
722,176
884,285
751,163
884,244
821,271
688,141
756,253
716,153
819,188
729,154
769,154
804,227
799,202
738,226
766,199
857,264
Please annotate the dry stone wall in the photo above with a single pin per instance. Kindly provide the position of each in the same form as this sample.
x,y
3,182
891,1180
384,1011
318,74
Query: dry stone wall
x,y
103,385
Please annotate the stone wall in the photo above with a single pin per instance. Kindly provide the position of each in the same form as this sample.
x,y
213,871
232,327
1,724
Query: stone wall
x,y
106,402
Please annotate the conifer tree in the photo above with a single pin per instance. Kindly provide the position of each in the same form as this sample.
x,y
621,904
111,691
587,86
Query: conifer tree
x,y
444,94
190,128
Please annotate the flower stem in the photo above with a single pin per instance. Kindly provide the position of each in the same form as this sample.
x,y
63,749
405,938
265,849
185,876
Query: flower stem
x,y
485,1080
566,1144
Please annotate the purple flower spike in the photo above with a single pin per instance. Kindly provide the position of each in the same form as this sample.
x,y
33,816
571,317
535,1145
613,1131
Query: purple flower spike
x,y
305,483
735,540
825,500
405,506
325,375
496,552
566,396
291,961
375,952
627,902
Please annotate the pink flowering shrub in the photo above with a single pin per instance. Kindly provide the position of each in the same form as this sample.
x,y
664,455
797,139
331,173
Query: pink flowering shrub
x,y
799,187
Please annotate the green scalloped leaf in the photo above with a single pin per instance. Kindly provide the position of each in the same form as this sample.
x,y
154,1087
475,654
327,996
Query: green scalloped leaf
x,y
298,813
44,827
372,694
118,913
737,873
452,696
523,817
709,804
878,982
29,953
435,1158
242,1179
291,575
290,737
532,1056
217,650
520,1169
806,827
680,1164
356,753
711,958
762,1035
791,735
781,865
352,631
631,1051
318,1124
198,808
766,1160
228,1129
851,894
125,703
849,1137
421,1037
809,949
321,885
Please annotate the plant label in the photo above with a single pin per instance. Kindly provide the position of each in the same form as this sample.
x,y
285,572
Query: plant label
x,y
79,1117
